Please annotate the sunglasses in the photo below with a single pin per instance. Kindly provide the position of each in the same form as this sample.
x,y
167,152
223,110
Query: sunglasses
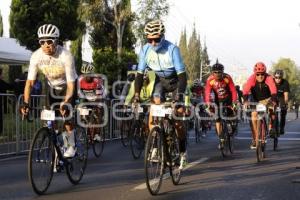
x,y
156,40
260,74
217,72
47,41
277,77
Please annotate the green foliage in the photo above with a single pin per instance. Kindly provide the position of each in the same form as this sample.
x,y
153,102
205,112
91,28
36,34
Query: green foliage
x,y
291,74
148,10
76,50
26,16
106,62
183,47
1,26
205,63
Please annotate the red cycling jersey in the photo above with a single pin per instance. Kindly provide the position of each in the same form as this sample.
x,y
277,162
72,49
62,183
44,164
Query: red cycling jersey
x,y
93,89
197,91
259,91
223,89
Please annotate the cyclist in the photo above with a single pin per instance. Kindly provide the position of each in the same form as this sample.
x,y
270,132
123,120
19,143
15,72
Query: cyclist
x,y
91,89
57,64
197,99
197,92
225,94
283,89
146,90
165,60
127,86
263,90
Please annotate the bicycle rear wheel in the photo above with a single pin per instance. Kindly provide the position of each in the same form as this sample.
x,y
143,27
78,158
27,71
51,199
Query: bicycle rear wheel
x,y
98,143
41,161
76,165
136,140
154,160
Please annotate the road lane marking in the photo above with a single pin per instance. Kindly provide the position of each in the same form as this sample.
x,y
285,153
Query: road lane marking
x,y
286,133
280,139
167,175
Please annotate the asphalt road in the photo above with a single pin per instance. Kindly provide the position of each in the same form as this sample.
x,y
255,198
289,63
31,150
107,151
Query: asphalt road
x,y
116,175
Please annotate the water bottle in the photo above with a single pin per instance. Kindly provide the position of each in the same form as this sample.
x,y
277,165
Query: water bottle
x,y
186,98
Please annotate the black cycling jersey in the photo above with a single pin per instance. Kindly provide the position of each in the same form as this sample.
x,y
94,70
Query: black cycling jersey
x,y
260,91
282,87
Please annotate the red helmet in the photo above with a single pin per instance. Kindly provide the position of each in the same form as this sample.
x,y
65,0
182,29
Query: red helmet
x,y
260,67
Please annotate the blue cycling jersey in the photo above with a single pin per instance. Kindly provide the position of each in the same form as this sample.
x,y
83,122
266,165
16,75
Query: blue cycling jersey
x,y
164,61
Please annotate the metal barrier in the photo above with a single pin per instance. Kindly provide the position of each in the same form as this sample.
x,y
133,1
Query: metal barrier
x,y
16,134
8,121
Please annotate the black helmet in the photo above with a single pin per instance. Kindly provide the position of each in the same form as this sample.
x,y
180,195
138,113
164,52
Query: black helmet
x,y
131,77
279,72
217,67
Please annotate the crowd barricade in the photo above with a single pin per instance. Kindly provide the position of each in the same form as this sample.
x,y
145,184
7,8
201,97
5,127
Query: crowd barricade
x,y
17,134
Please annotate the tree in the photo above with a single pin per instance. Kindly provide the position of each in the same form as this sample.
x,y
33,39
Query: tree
x,y
117,13
183,47
205,63
1,26
291,74
105,42
26,16
194,56
148,10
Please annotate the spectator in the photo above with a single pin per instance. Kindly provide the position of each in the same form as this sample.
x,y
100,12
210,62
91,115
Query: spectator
x,y
4,86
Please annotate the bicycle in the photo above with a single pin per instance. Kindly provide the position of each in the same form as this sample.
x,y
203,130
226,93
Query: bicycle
x,y
138,132
277,122
96,135
125,128
162,149
227,135
261,133
46,153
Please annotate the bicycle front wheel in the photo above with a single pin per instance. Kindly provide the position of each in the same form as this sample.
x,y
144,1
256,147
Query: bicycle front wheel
x,y
225,146
154,160
260,146
125,128
136,140
76,165
174,154
197,129
41,161
98,142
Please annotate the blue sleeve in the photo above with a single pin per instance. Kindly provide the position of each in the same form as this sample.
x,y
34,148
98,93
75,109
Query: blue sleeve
x,y
142,61
177,61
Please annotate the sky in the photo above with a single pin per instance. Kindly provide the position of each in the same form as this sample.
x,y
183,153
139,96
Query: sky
x,y
237,32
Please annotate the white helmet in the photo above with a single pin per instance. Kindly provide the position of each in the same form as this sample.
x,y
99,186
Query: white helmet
x,y
153,28
48,31
87,68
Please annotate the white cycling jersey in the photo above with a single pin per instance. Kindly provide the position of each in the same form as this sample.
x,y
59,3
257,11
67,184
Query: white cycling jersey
x,y
58,68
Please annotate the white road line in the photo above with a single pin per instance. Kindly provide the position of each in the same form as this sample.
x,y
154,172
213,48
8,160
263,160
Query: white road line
x,y
286,133
13,158
280,139
167,175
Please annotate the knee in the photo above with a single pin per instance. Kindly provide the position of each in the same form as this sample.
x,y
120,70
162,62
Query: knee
x,y
156,100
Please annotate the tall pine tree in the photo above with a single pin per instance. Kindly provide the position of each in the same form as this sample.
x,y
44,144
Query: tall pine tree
x,y
194,57
205,63
183,47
